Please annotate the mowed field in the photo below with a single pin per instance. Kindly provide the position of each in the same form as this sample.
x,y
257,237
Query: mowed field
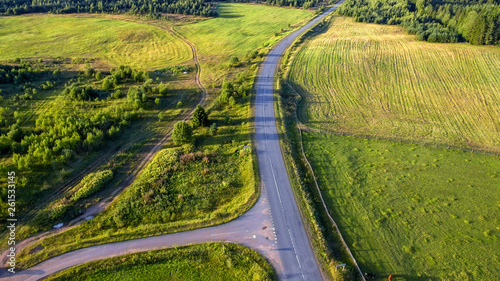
x,y
116,42
197,262
376,80
240,29
413,211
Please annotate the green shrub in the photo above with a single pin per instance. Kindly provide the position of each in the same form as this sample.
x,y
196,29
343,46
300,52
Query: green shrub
x,y
5,143
98,75
92,183
89,71
109,83
161,116
58,211
213,129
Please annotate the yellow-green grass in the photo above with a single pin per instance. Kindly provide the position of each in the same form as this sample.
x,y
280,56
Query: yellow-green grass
x,y
213,261
114,41
39,183
240,29
416,212
368,79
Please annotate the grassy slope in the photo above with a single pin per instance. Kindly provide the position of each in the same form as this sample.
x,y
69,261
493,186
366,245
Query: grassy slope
x,y
117,42
197,262
238,31
368,79
410,210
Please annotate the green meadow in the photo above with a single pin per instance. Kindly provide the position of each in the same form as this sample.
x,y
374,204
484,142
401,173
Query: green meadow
x,y
376,80
210,181
416,212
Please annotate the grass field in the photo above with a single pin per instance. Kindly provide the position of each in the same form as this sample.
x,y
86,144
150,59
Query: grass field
x,y
197,262
116,42
368,79
413,211
238,31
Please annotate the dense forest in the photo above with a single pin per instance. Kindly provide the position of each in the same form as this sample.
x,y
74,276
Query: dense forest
x,y
137,7
475,21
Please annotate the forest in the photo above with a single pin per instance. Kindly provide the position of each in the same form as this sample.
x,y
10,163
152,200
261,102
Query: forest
x,y
474,21
152,8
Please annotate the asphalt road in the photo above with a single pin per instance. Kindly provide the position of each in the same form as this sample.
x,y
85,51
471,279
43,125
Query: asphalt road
x,y
273,226
296,254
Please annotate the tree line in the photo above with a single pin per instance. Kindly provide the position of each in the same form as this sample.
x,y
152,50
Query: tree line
x,y
306,4
152,8
475,21
78,123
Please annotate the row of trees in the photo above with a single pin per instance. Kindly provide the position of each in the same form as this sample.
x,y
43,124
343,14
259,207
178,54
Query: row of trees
x,y
137,7
475,21
76,124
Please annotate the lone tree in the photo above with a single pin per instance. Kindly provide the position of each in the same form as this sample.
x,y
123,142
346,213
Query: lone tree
x,y
183,133
200,118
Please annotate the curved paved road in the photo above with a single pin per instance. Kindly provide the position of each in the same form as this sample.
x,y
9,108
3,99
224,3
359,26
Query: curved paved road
x,y
297,257
280,237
